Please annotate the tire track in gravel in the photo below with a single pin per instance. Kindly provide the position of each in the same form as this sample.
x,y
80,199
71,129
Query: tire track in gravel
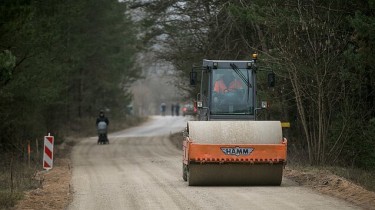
x,y
159,154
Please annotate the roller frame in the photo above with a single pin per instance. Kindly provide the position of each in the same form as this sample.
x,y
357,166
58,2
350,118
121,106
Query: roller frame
x,y
209,165
212,153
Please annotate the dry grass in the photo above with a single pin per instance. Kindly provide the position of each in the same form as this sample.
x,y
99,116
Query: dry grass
x,y
323,180
16,176
8,199
359,176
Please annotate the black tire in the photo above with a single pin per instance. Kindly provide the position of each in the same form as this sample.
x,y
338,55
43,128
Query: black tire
x,y
184,172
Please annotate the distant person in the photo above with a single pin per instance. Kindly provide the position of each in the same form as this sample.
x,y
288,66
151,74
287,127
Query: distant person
x,y
102,118
102,123
177,109
172,109
163,109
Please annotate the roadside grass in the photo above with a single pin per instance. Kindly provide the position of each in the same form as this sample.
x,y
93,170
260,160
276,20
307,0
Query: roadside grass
x,y
361,177
365,178
8,199
15,177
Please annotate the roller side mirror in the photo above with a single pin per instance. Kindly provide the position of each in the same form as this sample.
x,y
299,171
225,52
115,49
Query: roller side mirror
x,y
271,79
193,78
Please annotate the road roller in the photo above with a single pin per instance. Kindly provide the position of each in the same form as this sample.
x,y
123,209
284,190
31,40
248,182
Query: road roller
x,y
226,145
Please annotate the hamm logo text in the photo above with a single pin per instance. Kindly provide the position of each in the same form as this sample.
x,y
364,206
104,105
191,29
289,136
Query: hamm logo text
x,y
237,151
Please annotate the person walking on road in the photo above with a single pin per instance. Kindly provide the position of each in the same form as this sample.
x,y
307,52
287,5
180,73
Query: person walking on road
x,y
102,123
177,109
102,118
163,109
172,109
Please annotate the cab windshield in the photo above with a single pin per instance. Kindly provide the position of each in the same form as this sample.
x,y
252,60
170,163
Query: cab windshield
x,y
232,92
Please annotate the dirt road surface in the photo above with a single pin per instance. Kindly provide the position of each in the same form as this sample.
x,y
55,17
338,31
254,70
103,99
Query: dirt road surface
x,y
141,169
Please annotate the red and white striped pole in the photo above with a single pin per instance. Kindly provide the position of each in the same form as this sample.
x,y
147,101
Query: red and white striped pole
x,y
48,152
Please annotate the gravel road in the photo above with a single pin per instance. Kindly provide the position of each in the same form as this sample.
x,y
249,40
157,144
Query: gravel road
x,y
141,169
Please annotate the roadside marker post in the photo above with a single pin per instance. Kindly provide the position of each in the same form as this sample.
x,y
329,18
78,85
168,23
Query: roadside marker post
x,y
48,152
28,153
